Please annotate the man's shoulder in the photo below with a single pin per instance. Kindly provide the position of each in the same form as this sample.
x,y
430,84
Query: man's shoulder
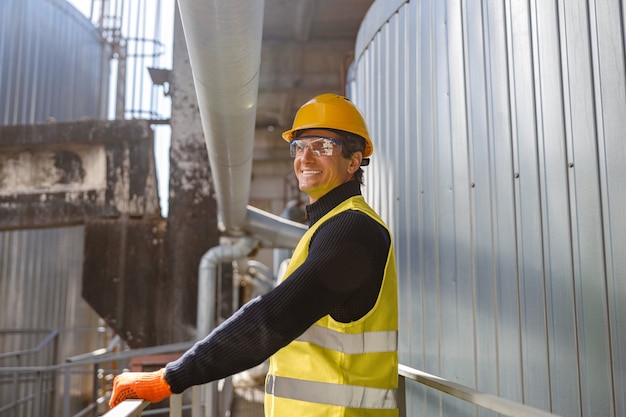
x,y
354,220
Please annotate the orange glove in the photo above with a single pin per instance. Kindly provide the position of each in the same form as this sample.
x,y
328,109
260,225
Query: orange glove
x,y
150,386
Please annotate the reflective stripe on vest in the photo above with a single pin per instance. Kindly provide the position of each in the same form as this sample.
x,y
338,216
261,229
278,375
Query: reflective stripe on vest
x,y
350,396
385,341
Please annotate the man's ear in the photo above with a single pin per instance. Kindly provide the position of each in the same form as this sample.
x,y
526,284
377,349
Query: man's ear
x,y
355,162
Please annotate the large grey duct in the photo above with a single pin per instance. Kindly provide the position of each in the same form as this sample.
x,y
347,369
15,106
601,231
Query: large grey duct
x,y
275,231
224,43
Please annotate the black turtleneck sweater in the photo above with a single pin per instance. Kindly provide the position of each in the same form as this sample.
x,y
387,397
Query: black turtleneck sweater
x,y
341,276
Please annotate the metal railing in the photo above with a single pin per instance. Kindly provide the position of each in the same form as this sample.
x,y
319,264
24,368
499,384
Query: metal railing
x,y
41,381
128,408
485,400
482,399
39,377
33,391
46,342
132,408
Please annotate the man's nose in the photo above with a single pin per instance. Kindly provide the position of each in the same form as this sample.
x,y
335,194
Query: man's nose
x,y
307,153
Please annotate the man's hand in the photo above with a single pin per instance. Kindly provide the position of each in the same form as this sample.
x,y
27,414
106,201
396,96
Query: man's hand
x,y
150,386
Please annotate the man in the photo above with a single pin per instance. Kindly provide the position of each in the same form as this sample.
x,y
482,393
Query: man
x,y
330,328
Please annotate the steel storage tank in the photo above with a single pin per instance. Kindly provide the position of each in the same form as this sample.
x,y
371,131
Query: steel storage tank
x,y
498,130
54,64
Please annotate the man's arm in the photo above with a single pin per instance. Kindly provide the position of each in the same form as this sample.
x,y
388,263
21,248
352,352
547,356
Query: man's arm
x,y
335,268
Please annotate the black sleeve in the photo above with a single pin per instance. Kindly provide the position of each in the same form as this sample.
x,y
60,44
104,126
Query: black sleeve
x,y
337,266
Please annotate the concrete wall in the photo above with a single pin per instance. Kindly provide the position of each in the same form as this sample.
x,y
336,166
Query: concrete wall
x,y
61,173
192,216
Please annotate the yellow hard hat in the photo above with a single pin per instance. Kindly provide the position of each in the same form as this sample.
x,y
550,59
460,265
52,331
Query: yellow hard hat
x,y
331,111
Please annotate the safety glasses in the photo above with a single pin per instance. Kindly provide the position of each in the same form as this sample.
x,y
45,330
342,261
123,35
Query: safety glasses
x,y
319,145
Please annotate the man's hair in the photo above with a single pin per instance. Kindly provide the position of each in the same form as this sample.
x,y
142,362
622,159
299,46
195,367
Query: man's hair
x,y
352,143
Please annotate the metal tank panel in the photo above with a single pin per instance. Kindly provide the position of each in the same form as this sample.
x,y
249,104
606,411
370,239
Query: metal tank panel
x,y
40,291
54,64
498,130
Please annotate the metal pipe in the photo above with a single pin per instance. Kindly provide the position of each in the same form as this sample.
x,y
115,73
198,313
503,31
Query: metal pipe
x,y
224,44
206,279
207,272
275,231
262,273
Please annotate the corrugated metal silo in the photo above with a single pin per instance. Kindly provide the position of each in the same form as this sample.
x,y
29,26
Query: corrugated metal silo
x,y
54,63
40,292
499,165
54,66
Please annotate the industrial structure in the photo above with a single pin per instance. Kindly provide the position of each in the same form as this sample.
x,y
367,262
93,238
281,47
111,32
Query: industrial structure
x,y
498,165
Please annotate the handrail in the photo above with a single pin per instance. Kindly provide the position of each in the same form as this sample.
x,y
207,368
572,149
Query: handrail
x,y
106,357
489,401
98,352
128,408
96,357
51,335
132,408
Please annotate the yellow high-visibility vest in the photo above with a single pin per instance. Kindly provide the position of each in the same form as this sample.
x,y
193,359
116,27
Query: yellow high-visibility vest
x,y
339,369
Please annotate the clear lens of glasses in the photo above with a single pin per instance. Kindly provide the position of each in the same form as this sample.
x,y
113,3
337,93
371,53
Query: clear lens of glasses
x,y
319,146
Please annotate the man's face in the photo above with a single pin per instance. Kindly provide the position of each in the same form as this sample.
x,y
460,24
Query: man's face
x,y
317,175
